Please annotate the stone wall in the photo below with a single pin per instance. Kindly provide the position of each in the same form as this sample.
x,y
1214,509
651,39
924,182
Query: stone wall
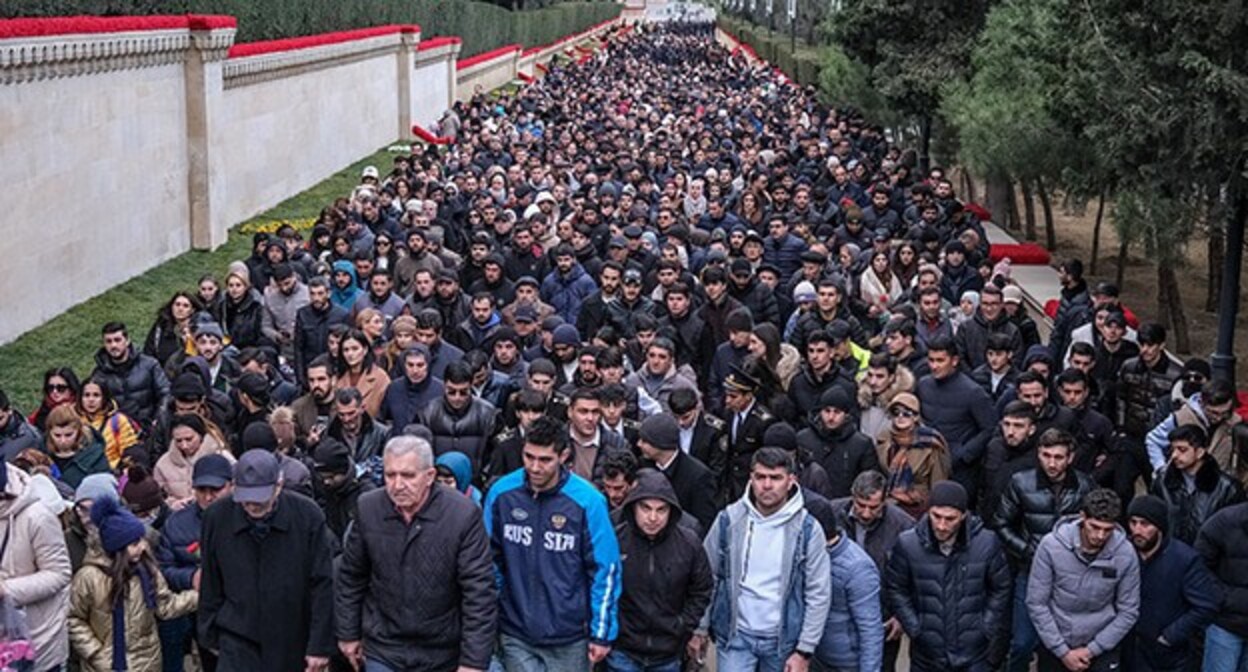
x,y
126,141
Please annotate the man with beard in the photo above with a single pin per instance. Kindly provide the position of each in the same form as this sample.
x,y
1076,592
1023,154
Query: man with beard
x,y
380,296
1192,485
1010,451
282,302
1083,592
659,376
593,313
136,381
312,324
337,487
567,286
449,300
476,332
417,259
1033,502
1181,594
524,257
622,312
492,281
315,407
459,422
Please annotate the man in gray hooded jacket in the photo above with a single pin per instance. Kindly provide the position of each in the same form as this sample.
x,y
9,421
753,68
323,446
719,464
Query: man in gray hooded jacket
x,y
1083,594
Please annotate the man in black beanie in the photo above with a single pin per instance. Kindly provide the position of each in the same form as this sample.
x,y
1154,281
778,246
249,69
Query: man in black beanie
x,y
834,442
659,443
1181,594
951,628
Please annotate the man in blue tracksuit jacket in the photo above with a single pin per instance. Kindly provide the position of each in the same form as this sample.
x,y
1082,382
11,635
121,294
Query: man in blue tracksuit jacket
x,y
556,558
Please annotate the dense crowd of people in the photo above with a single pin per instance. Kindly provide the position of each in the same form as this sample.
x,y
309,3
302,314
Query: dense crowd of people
x,y
659,359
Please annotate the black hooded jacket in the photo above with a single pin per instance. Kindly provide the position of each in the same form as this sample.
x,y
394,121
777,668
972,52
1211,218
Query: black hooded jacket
x,y
668,578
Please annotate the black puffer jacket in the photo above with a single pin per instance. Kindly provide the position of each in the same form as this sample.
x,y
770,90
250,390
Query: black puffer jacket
x,y
973,336
138,384
1139,388
466,432
1029,510
955,609
421,596
806,388
243,320
668,578
843,453
1215,490
1223,543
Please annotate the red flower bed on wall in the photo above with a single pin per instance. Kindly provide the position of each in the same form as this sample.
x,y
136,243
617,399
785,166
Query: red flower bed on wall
x,y
1023,254
435,42
293,43
487,56
71,25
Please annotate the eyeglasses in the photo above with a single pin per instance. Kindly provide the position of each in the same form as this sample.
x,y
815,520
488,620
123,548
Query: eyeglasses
x,y
54,387
902,412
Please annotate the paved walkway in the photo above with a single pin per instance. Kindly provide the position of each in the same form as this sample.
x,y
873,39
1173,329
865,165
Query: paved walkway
x,y
1039,283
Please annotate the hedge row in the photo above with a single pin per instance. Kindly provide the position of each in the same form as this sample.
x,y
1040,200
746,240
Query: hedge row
x,y
483,26
802,66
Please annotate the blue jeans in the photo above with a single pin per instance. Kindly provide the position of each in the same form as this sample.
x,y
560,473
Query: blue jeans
x,y
1023,636
749,653
520,656
1224,652
618,661
371,665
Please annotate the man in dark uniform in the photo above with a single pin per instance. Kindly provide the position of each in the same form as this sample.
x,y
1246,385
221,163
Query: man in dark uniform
x,y
702,435
747,419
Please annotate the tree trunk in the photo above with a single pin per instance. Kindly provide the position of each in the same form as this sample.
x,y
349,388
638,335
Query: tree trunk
x,y
1122,264
1029,210
1050,231
1016,222
1216,256
968,186
925,144
1096,232
1170,307
998,195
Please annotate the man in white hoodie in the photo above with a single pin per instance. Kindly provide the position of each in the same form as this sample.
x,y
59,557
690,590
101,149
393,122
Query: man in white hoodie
x,y
772,577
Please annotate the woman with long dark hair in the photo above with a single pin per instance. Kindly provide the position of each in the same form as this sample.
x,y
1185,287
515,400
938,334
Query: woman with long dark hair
x,y
97,410
60,387
171,333
356,366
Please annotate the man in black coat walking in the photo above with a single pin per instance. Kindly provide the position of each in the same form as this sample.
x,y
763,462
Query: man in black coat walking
x,y
668,577
266,592
424,546
692,482
834,442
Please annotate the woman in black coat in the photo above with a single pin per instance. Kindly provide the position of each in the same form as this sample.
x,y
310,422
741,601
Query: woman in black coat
x,y
244,312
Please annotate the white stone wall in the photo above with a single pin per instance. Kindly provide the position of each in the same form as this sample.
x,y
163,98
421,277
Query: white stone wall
x,y
486,76
432,79
93,182
284,135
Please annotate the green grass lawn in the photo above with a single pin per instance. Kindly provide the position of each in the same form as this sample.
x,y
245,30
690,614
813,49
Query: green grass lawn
x,y
71,339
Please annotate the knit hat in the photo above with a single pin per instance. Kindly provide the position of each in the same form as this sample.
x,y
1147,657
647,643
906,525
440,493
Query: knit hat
x,y
780,435
661,431
331,456
96,487
141,492
835,397
1152,509
259,434
739,320
948,493
566,334
804,291
188,386
118,527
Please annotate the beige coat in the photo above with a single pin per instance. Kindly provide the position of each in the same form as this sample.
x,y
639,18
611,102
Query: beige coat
x,y
173,469
35,570
91,617
372,386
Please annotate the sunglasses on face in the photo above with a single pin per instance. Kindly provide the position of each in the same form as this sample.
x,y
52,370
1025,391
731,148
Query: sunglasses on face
x,y
55,387
903,413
